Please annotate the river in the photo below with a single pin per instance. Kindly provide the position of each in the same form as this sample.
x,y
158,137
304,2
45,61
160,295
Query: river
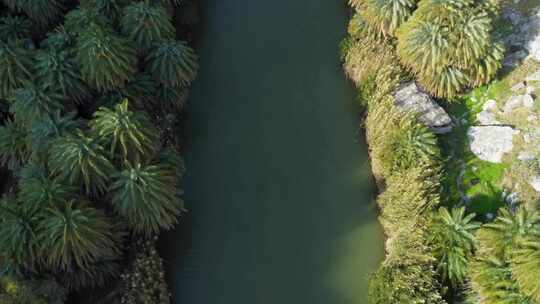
x,y
278,185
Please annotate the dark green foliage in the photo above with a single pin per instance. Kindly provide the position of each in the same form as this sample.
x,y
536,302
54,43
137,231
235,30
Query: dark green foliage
x,y
141,92
82,19
56,69
70,174
31,291
172,99
110,8
452,241
106,60
59,40
13,28
94,275
147,24
50,127
82,160
14,148
130,134
173,63
146,196
18,228
74,235
43,12
32,102
38,191
15,67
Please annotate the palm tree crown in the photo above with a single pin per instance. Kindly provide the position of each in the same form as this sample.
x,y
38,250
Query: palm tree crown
x,y
146,196
129,133
82,160
173,63
72,234
453,242
147,24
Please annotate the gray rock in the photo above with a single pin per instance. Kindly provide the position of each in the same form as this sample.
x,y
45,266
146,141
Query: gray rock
x,y
410,98
535,183
487,118
490,143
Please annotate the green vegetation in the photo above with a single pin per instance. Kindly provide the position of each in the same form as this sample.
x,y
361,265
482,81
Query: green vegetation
x,y
94,171
433,187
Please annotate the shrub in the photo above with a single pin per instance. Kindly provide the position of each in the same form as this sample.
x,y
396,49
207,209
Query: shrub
x,y
384,16
450,46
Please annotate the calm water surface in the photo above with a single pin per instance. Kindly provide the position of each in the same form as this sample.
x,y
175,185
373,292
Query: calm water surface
x,y
277,182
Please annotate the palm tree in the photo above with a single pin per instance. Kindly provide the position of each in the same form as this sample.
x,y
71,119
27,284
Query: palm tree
x,y
141,92
172,63
13,28
81,19
56,69
414,145
46,130
73,235
15,67
172,99
450,46
17,237
32,102
131,134
384,16
525,266
146,196
451,237
147,24
82,160
500,237
492,282
14,149
37,190
43,12
59,40
107,61
112,9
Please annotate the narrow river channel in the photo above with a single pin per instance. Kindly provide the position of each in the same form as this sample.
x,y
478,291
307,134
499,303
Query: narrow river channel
x,y
278,186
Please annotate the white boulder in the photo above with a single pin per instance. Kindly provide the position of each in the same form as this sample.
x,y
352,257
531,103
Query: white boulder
x,y
490,143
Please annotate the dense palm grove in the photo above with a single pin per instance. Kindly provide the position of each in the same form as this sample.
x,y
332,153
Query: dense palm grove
x,y
89,93
434,253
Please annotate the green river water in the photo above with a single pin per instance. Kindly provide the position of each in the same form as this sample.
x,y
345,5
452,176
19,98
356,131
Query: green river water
x,y
278,185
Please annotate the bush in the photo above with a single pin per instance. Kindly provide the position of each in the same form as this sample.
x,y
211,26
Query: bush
x,y
449,45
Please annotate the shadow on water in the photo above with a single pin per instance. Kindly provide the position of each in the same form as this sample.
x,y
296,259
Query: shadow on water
x,y
277,182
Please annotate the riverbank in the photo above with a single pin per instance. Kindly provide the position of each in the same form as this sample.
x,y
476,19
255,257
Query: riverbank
x,y
420,174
